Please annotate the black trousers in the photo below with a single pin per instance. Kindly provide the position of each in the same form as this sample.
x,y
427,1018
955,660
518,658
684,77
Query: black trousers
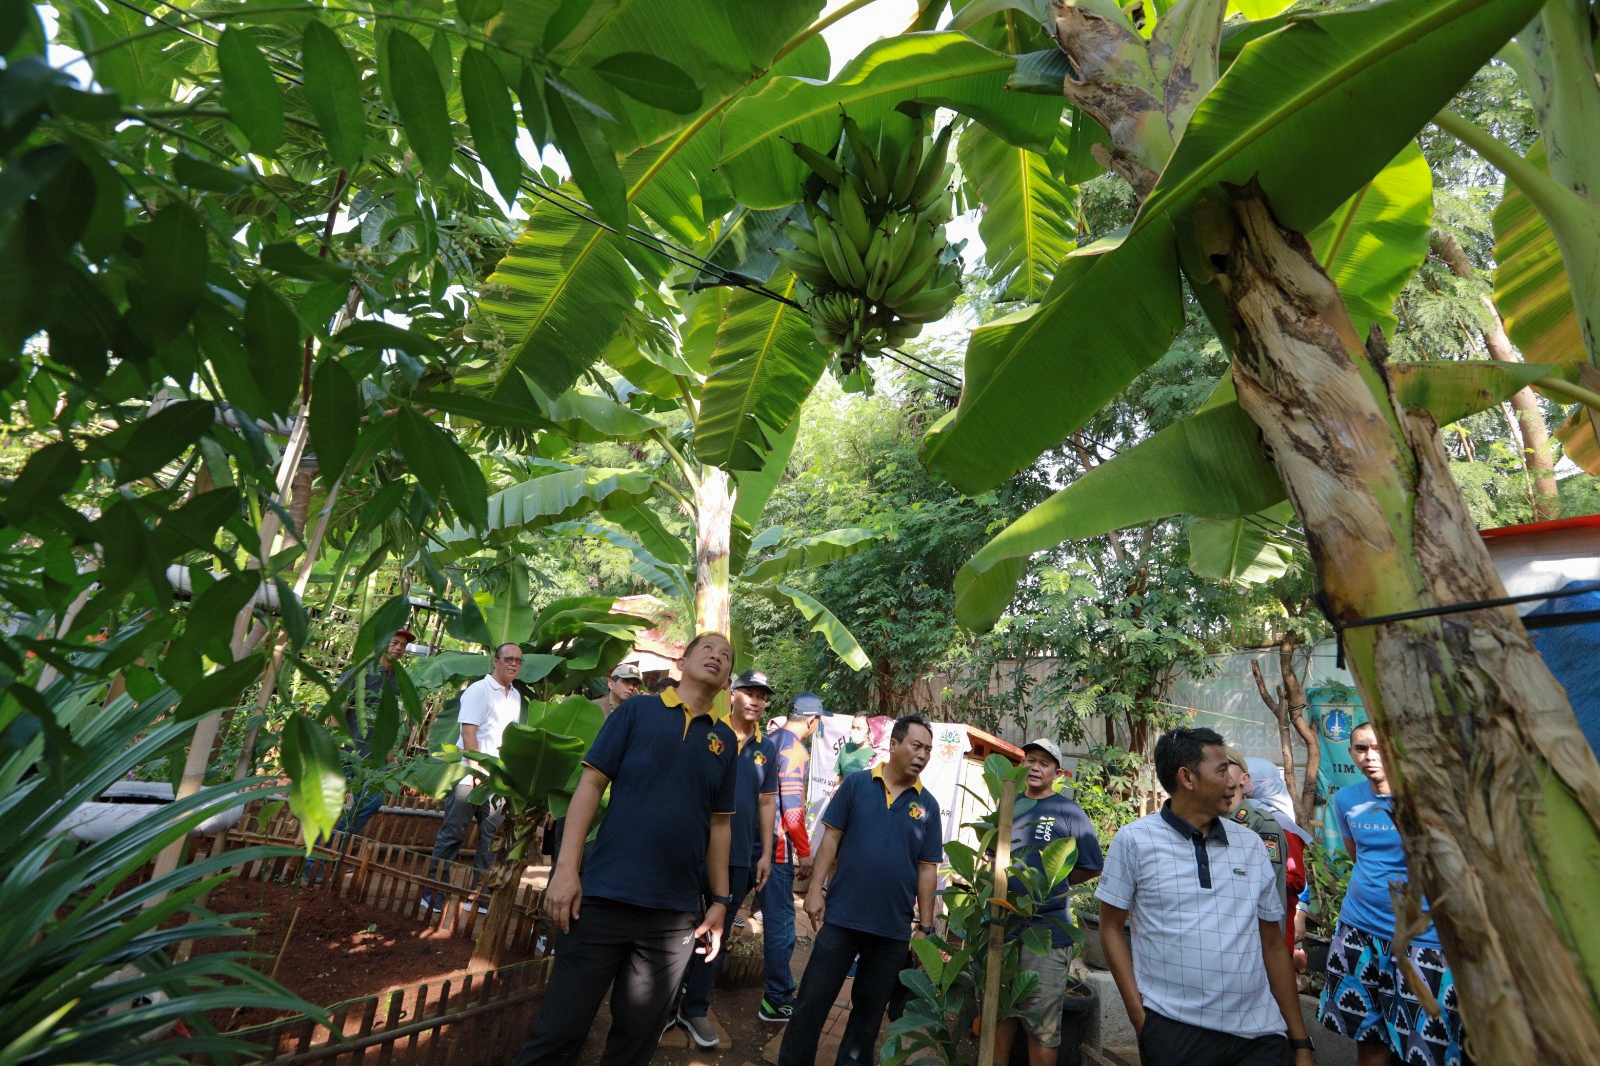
x,y
639,955
1165,1042
702,976
877,976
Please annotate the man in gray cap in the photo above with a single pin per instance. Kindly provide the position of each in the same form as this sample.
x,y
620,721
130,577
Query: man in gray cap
x,y
623,683
792,849
1051,818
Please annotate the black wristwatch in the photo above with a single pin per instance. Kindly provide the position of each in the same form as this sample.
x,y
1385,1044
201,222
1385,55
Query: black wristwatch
x,y
925,930
1303,1044
726,901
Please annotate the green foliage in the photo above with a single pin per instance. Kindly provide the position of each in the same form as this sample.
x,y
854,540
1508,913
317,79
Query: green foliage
x,y
954,968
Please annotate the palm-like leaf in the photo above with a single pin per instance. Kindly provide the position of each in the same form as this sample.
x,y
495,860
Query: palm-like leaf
x,y
822,620
557,297
947,69
556,497
1028,224
1378,238
764,363
810,552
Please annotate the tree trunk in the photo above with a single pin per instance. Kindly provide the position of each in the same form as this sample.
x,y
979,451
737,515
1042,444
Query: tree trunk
x,y
713,505
1288,707
1498,794
1536,457
500,881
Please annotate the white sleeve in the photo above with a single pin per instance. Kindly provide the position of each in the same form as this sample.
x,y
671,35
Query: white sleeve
x,y
474,705
1118,878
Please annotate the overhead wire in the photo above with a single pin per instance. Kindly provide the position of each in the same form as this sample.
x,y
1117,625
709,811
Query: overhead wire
x,y
577,208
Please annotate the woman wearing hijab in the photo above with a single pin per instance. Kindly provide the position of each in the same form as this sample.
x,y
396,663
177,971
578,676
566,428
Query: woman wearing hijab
x,y
1265,787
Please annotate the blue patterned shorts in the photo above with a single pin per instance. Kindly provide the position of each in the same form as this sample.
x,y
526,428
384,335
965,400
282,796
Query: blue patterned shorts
x,y
1365,997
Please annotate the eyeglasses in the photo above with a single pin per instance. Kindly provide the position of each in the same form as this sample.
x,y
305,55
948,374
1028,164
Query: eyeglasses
x,y
509,658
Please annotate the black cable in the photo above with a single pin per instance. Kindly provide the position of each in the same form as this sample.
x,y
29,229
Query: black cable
x,y
555,198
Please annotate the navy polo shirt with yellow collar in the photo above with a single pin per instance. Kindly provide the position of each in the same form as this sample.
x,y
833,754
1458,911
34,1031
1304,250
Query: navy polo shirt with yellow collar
x,y
885,843
758,776
670,770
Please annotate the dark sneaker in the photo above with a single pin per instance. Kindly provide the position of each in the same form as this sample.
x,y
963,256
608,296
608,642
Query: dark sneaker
x,y
671,1024
701,1031
779,1013
738,921
482,906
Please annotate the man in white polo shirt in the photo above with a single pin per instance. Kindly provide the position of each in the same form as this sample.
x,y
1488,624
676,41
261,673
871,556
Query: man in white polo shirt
x,y
1208,980
487,706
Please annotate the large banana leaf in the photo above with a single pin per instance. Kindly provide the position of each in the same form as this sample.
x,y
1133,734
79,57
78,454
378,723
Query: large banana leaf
x,y
451,667
744,249
809,552
948,69
558,297
719,44
1315,109
670,578
1028,223
757,486
1530,278
555,497
1245,550
840,639
1378,238
1034,376
508,616
1210,465
764,364
1312,111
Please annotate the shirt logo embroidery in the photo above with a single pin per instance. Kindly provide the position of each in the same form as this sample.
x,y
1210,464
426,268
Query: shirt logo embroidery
x,y
916,811
1272,848
715,745
759,759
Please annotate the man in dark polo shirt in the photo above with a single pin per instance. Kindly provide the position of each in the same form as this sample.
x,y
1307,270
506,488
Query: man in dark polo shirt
x,y
633,920
750,860
883,827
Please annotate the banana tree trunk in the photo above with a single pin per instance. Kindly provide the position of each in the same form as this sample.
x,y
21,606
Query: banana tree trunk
x,y
713,504
500,881
1498,794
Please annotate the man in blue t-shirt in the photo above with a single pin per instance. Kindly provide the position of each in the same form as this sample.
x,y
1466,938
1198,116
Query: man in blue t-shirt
x,y
1365,996
1052,817
884,829
750,859
630,924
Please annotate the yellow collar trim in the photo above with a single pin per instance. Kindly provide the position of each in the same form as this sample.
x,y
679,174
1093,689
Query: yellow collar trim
x,y
877,772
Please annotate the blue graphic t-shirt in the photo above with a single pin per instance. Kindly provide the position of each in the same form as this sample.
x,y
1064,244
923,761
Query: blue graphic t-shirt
x,y
1049,820
1361,815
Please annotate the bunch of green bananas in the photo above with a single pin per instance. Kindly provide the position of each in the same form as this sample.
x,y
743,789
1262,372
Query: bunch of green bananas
x,y
875,257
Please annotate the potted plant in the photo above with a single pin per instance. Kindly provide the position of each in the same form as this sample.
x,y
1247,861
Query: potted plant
x,y
1328,874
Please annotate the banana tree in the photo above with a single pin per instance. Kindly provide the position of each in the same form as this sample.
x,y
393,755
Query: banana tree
x,y
534,774
1237,139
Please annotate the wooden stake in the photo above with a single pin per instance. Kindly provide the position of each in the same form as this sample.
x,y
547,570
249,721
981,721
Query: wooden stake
x,y
997,925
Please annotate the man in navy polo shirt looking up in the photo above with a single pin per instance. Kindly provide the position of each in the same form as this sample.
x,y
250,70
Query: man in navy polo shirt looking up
x,y
883,827
1208,981
631,923
750,861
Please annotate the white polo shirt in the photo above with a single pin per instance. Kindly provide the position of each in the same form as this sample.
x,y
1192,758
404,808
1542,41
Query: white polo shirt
x,y
491,708
1193,901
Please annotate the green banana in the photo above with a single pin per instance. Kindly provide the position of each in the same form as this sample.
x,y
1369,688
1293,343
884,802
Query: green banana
x,y
905,179
918,266
809,268
852,215
933,164
930,304
938,210
902,235
832,255
866,160
855,269
875,250
802,238
901,330
824,167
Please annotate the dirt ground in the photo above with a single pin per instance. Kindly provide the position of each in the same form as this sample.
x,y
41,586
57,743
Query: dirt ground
x,y
338,950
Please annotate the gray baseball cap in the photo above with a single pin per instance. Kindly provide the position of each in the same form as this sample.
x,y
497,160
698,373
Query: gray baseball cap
x,y
1049,747
626,672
